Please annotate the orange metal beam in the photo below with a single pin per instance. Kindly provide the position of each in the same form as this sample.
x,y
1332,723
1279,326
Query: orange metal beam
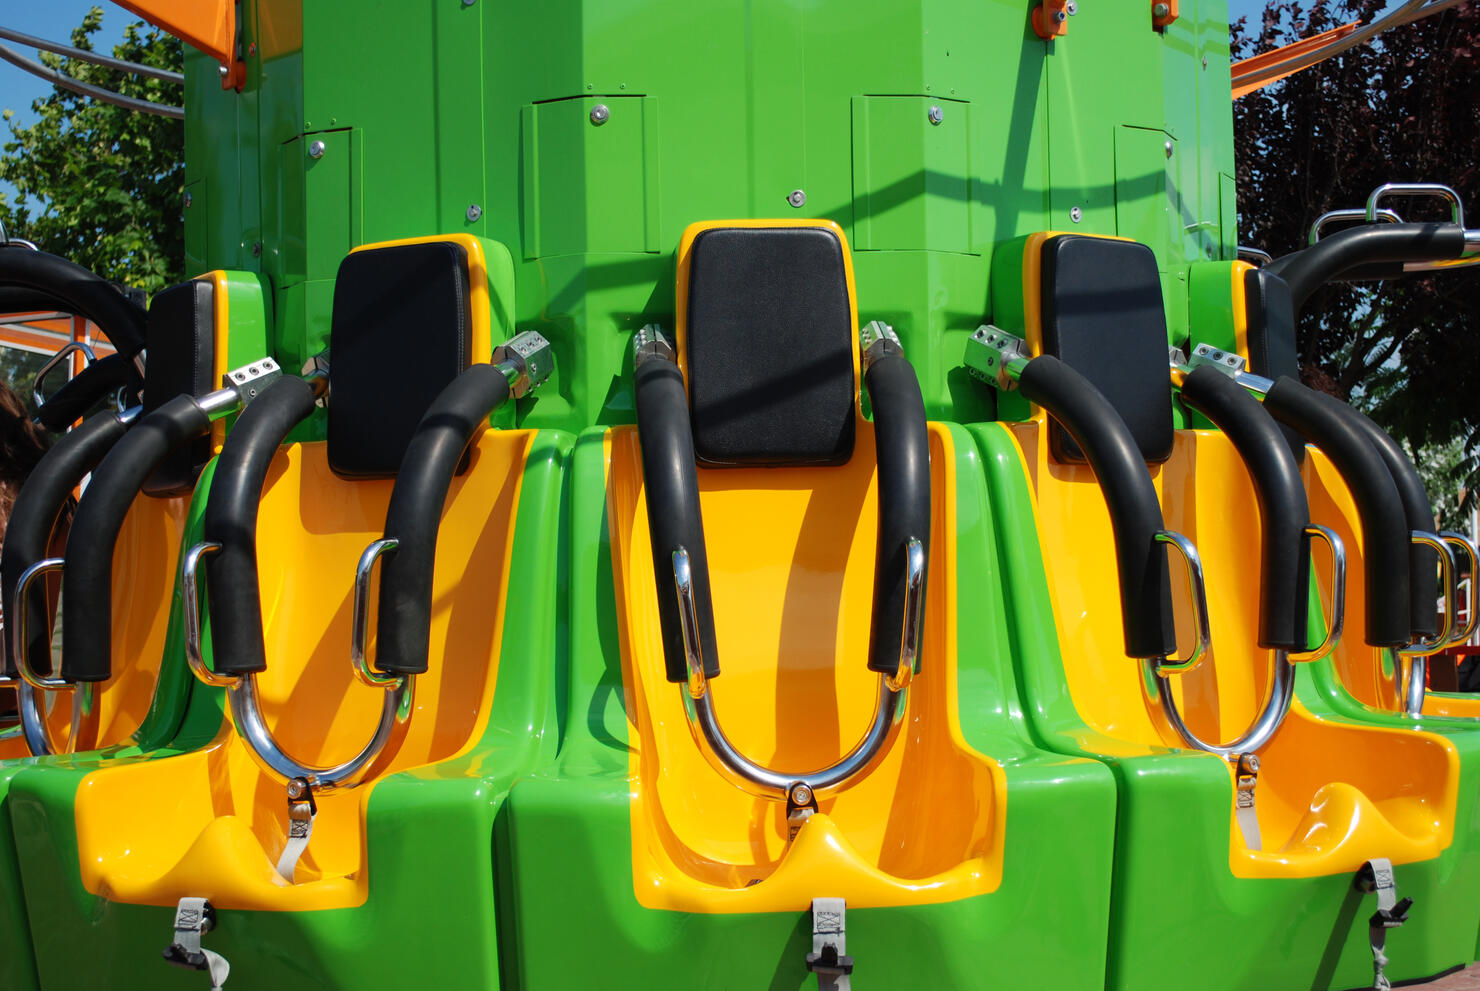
x,y
1251,66
209,25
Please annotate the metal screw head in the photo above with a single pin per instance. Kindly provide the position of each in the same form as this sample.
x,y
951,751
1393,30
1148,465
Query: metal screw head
x,y
936,115
256,249
189,200
600,114
796,198
1076,214
468,3
224,71
252,49
1168,147
1071,8
1060,16
474,212
1160,9
801,794
1205,61
317,149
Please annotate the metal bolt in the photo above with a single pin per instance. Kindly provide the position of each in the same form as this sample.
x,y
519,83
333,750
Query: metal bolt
x,y
1233,361
296,788
1071,8
468,3
936,115
474,212
252,49
256,249
801,794
189,200
1205,61
796,198
224,71
1168,147
600,114
316,150
1076,214
1160,10
1060,16
1217,356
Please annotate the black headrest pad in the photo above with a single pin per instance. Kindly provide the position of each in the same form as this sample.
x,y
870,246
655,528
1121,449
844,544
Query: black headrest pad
x,y
1103,317
769,344
400,333
181,342
1270,315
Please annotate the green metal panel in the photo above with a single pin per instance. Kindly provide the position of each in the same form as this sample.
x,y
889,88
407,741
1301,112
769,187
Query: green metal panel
x,y
912,185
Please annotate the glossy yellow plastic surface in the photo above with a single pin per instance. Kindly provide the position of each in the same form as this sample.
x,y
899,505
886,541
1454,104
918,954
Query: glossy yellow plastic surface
x,y
222,306
211,823
143,578
1366,671
791,557
1330,795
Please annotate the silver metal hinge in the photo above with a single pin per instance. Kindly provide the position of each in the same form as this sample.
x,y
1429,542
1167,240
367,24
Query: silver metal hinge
x,y
529,359
649,344
992,353
251,380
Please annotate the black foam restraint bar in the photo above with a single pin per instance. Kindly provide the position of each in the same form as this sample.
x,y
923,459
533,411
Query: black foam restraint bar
x,y
769,347
34,516
1102,316
400,333
671,484
1423,562
78,291
1269,315
231,521
1330,258
903,447
78,394
87,581
1284,513
1148,622
182,357
414,515
1321,420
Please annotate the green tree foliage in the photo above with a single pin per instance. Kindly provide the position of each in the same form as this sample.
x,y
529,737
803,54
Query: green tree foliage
x,y
1401,109
98,184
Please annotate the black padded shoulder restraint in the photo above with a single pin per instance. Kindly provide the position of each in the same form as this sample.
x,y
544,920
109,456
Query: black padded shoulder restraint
x,y
182,357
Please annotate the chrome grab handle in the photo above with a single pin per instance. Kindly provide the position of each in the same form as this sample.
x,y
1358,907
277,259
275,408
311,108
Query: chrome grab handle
x,y
1472,612
34,725
1411,667
1435,189
1193,568
764,782
246,706
20,631
914,600
1336,620
190,594
360,623
1355,213
88,357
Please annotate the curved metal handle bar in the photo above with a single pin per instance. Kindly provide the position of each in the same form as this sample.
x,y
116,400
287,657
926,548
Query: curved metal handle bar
x,y
88,358
1443,192
1336,619
764,782
1472,612
1355,213
246,707
189,592
1410,679
1198,587
34,725
20,633
1276,707
359,632
1426,646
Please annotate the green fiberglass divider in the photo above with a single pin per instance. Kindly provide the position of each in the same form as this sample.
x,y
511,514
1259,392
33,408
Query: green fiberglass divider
x,y
431,916
566,840
1178,913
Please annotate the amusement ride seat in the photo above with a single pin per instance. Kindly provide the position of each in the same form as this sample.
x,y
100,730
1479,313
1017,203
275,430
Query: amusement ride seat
x,y
1261,850
774,587
289,731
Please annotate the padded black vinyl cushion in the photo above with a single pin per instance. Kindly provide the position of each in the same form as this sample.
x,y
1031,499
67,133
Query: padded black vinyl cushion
x,y
1103,317
1270,314
400,333
770,347
181,342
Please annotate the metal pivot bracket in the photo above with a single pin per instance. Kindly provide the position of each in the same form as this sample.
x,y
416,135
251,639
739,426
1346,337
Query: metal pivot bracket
x,y
240,386
526,360
829,959
1376,876
194,917
1228,362
801,805
649,344
1246,779
302,809
996,357
877,340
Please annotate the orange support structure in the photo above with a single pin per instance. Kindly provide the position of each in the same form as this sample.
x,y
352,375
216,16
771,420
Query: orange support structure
x,y
209,25
1251,66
